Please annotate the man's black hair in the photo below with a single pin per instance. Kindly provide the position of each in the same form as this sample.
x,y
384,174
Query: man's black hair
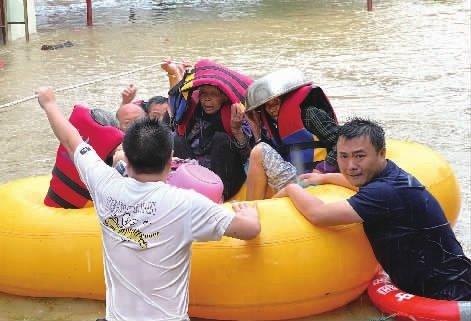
x,y
357,127
155,100
148,146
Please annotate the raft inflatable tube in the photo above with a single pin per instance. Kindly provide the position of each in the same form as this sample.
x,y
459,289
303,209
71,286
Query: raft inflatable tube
x,y
405,306
291,270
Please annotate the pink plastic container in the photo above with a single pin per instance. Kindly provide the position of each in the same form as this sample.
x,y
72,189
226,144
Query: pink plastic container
x,y
198,178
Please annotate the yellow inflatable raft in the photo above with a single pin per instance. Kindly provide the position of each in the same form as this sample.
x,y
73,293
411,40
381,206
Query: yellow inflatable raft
x,y
291,270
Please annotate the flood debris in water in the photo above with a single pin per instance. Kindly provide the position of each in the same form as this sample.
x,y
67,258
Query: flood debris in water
x,y
57,46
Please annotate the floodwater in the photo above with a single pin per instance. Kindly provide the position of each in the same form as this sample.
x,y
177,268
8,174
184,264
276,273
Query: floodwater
x,y
406,64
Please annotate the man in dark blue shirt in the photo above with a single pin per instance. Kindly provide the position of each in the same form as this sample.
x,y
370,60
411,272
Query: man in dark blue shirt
x,y
404,223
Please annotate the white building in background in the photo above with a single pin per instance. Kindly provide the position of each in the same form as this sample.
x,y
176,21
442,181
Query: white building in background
x,y
15,13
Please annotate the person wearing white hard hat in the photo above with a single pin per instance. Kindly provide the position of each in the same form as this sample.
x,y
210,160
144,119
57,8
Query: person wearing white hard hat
x,y
296,128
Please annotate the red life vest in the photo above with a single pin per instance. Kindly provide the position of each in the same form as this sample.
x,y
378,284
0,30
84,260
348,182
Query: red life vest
x,y
301,146
66,190
188,115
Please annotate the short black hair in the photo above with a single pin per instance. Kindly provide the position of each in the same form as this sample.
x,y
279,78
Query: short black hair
x,y
155,100
148,146
357,127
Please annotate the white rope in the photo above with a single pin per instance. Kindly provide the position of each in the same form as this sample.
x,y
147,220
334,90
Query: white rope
x,y
19,101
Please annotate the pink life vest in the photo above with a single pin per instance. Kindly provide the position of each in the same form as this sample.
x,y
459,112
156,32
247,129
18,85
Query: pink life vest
x,y
66,189
187,117
206,72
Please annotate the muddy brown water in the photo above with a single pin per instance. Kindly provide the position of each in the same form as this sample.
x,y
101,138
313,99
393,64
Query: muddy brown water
x,y
406,64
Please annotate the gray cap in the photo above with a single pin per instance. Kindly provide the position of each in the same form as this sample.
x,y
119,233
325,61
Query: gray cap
x,y
273,85
104,118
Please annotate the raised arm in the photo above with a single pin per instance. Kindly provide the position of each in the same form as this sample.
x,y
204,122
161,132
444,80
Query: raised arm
x,y
255,123
67,134
237,116
240,130
175,71
128,94
246,223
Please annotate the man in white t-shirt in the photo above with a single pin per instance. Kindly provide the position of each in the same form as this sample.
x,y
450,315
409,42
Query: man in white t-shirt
x,y
148,226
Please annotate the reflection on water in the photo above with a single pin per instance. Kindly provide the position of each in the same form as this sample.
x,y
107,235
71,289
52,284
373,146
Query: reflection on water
x,y
71,12
406,64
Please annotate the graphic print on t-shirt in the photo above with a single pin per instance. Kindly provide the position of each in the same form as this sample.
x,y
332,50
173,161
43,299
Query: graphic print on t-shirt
x,y
129,233
124,219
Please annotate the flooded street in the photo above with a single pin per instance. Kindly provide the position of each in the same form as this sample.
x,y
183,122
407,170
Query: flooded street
x,y
406,64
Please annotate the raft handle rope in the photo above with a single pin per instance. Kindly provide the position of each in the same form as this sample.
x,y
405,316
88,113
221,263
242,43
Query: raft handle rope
x,y
389,317
22,100
384,318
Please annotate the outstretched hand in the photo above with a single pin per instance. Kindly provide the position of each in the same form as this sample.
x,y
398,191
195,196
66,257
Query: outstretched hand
x,y
46,96
67,134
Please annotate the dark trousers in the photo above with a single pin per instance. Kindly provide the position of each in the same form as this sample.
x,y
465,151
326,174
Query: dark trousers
x,y
225,161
